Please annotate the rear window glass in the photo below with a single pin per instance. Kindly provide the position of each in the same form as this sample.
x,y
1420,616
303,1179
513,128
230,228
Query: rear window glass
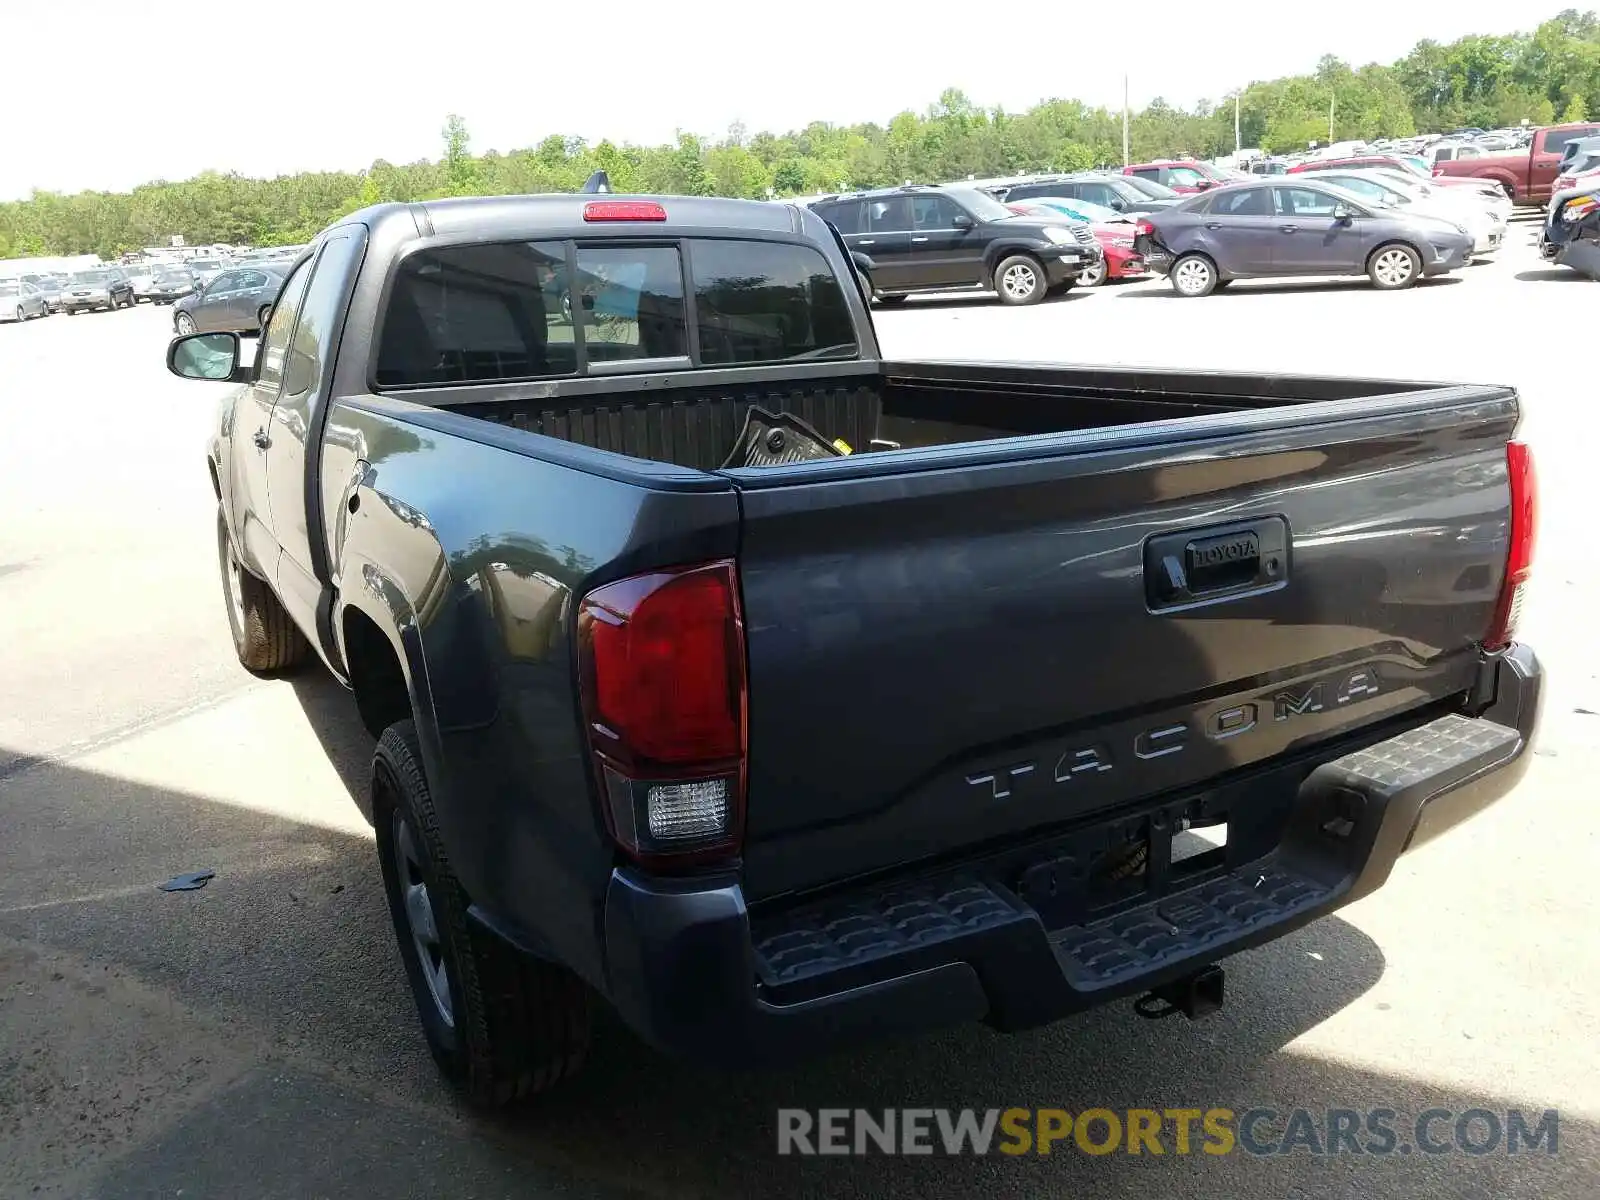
x,y
767,302
504,312
632,302
475,314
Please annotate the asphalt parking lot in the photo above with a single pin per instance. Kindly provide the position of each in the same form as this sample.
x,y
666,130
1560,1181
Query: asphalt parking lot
x,y
255,1038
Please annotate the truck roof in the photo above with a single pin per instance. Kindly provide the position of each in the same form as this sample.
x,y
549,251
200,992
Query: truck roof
x,y
563,215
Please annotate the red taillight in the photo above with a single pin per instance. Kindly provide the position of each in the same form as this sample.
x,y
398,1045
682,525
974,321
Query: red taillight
x,y
1519,562
1144,227
624,210
662,675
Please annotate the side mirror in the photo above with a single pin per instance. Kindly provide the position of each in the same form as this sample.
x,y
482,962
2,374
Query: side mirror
x,y
961,221
210,356
1118,204
1343,212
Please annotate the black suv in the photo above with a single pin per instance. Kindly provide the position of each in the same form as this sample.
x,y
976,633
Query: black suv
x,y
925,239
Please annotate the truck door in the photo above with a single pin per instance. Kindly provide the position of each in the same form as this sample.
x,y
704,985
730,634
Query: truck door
x,y
252,515
293,485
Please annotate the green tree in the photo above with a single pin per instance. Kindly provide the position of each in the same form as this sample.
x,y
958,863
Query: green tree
x,y
1577,110
460,172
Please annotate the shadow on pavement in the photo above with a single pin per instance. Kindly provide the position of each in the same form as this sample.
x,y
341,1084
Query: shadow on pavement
x,y
290,945
1553,275
1272,287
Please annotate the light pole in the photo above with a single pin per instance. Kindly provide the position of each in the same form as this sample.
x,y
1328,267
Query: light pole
x,y
1126,160
1238,143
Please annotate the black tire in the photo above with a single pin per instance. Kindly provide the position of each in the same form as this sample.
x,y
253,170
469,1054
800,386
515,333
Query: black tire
x,y
1020,279
891,301
181,319
515,1025
1094,276
265,637
1193,275
1394,266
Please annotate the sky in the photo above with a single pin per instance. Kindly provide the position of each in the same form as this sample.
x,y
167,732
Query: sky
x,y
270,87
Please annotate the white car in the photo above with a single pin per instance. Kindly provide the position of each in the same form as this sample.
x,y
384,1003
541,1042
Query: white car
x,y
1395,191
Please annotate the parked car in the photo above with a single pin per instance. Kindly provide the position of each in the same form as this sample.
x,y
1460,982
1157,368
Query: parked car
x,y
1111,229
1269,166
1482,195
21,301
98,287
1392,192
1580,158
170,283
206,269
1303,227
1120,193
1571,234
49,287
1406,165
1182,176
920,239
681,715
141,275
1528,175
237,300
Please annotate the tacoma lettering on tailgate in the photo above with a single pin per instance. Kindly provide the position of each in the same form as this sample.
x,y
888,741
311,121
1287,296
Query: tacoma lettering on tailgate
x,y
1236,720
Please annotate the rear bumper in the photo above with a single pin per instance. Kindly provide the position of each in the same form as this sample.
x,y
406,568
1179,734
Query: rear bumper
x,y
695,972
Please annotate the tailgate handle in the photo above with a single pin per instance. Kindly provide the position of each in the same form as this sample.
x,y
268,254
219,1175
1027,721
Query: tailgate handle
x,y
1225,562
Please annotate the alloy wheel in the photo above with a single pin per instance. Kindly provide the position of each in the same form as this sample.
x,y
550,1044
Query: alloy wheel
x,y
1019,281
420,919
1393,268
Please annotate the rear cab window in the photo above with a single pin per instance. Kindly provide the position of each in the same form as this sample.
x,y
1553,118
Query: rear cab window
x,y
503,312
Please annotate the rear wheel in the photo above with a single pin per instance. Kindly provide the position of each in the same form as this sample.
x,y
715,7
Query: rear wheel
x,y
265,638
1020,280
1194,275
501,1025
1393,267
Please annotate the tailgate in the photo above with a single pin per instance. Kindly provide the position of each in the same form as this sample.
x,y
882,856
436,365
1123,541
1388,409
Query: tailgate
x,y
948,648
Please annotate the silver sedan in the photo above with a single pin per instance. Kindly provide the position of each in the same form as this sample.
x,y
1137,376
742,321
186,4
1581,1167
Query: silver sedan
x,y
20,301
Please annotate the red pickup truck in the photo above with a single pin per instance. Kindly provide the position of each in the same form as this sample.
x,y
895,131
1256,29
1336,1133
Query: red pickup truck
x,y
1526,175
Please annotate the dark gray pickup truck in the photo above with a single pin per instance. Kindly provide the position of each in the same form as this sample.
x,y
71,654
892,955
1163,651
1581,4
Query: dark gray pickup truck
x,y
782,695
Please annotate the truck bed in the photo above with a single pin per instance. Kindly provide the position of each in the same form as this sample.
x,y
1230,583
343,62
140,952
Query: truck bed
x,y
690,422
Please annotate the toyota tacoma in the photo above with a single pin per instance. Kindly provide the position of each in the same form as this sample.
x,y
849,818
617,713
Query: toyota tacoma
x,y
781,695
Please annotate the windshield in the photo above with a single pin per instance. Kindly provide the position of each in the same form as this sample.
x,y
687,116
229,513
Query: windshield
x,y
171,274
100,277
1082,210
1132,187
204,264
981,205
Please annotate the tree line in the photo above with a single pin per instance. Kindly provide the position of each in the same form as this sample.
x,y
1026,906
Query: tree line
x,y
1550,74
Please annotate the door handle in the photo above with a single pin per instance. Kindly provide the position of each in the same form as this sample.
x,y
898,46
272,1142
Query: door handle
x,y
1222,562
261,439
1288,228
920,239
1213,224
